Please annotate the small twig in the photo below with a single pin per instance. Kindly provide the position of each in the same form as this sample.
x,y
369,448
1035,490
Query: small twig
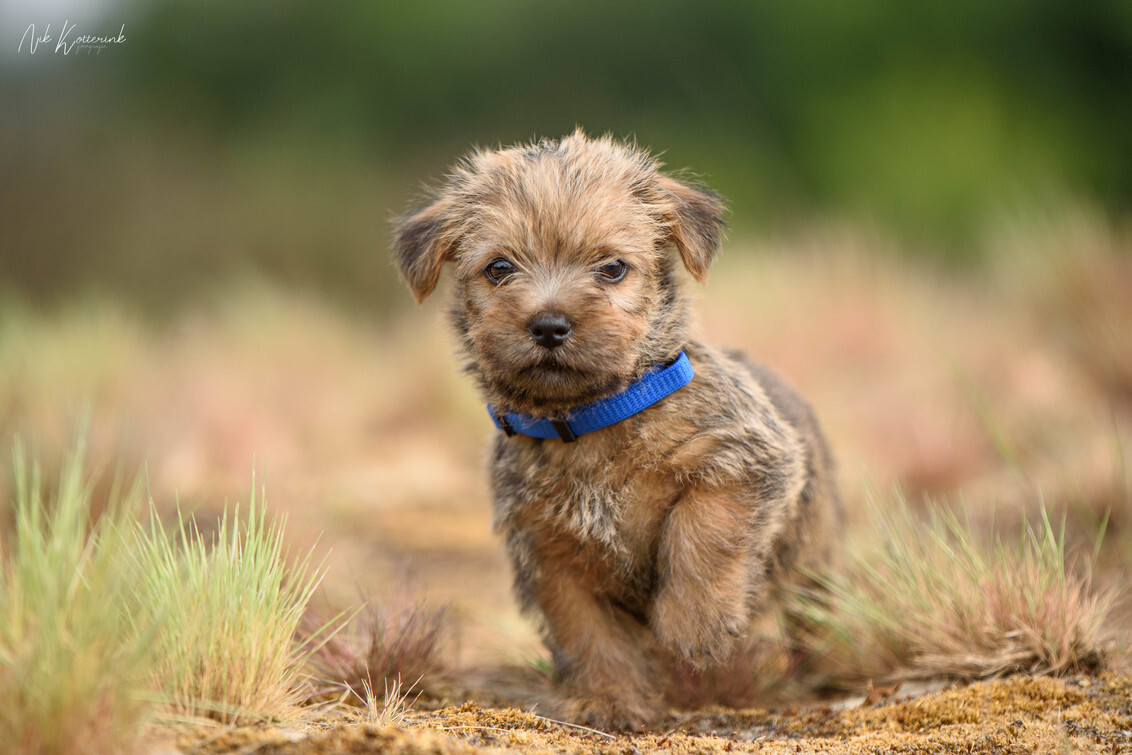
x,y
575,726
469,726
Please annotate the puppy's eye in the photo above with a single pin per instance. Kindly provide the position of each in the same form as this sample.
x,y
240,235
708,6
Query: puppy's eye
x,y
498,270
613,271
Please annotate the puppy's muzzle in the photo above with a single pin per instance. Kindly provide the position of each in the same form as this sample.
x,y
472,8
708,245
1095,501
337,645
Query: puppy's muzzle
x,y
549,329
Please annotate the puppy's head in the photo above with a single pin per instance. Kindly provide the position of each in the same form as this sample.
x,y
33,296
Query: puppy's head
x,y
563,265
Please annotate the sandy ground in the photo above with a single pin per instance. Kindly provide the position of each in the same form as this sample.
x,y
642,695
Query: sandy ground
x,y
1019,715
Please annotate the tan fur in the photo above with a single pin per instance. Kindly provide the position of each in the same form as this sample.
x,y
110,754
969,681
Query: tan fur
x,y
661,537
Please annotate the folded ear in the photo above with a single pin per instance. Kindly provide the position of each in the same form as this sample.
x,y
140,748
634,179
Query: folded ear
x,y
695,223
422,241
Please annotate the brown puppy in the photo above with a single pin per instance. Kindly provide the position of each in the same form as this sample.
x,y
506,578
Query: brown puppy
x,y
663,535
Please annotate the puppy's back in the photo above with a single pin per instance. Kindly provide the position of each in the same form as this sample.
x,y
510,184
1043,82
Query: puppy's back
x,y
811,543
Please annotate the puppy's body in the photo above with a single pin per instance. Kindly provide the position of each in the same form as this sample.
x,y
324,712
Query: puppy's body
x,y
673,528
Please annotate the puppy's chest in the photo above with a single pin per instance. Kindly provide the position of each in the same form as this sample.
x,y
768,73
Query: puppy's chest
x,y
607,498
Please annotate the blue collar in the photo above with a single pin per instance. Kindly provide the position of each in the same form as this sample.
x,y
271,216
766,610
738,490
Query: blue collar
x,y
650,388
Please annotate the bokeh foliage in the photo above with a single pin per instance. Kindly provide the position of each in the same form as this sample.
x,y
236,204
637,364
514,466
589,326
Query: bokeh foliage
x,y
279,136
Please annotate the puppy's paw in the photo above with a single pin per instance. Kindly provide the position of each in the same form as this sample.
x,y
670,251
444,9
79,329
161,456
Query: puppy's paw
x,y
609,713
698,632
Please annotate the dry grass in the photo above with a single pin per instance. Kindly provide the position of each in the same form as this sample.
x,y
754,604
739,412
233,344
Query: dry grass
x,y
105,621
382,645
934,599
1073,271
231,604
388,710
72,662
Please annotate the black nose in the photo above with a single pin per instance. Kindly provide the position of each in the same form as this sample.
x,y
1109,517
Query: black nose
x,y
549,329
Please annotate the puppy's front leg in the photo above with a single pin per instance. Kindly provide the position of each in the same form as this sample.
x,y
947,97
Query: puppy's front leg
x,y
601,656
708,570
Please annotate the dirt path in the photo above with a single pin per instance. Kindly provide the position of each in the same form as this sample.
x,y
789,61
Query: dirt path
x,y
1017,715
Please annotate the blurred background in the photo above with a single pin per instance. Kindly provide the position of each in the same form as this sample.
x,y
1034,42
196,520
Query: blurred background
x,y
929,236
276,138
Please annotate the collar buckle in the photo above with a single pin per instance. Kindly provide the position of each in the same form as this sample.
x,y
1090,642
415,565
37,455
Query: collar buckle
x,y
563,429
505,425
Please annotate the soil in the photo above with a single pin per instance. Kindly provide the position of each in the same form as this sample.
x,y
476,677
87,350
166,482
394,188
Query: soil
x,y
1014,715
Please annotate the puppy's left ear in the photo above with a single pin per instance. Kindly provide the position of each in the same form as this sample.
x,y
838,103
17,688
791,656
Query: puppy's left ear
x,y
695,223
422,242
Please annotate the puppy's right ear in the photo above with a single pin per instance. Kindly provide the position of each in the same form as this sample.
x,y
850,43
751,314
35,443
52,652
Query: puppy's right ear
x,y
422,242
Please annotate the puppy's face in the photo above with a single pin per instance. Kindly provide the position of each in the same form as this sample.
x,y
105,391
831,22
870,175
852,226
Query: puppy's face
x,y
564,288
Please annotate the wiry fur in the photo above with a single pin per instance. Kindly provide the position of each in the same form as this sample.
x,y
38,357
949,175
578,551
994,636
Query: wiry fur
x,y
660,537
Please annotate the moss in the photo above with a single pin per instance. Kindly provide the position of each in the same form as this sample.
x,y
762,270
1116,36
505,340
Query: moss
x,y
1016,715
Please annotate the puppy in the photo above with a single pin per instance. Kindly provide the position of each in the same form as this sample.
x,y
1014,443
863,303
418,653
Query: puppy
x,y
655,493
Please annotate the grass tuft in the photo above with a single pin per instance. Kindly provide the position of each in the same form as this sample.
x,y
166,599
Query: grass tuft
x,y
105,620
381,645
72,662
232,604
933,599
388,710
